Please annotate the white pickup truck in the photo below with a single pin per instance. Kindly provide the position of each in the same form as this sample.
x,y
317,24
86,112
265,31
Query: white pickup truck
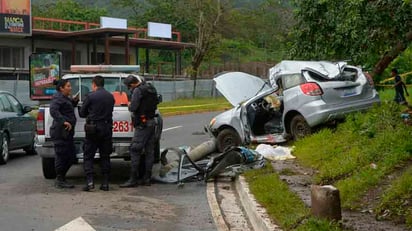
x,y
122,126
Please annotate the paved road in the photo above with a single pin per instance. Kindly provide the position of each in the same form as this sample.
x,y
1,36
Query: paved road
x,y
30,202
185,129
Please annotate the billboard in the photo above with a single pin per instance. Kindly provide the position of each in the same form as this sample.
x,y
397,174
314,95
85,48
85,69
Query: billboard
x,y
117,23
15,17
159,30
44,69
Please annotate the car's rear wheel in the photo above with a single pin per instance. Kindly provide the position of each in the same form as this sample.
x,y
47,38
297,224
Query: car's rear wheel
x,y
4,149
49,172
299,128
30,150
227,138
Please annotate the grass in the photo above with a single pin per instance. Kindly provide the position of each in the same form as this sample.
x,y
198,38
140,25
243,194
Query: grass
x,y
283,206
369,150
360,154
396,198
275,196
185,106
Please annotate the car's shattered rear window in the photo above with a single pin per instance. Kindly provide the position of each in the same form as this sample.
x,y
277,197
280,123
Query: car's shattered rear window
x,y
348,74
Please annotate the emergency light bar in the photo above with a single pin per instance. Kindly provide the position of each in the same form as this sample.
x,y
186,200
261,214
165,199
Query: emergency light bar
x,y
104,68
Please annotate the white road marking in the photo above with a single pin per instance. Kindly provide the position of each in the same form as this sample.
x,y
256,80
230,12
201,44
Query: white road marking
x,y
78,224
167,129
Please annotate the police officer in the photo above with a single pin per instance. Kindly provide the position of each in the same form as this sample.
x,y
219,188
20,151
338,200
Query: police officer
x,y
98,110
62,130
143,105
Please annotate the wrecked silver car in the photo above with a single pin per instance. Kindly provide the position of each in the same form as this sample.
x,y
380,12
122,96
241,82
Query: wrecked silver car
x,y
301,95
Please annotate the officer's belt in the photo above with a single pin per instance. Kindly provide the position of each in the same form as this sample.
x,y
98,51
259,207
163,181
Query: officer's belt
x,y
98,121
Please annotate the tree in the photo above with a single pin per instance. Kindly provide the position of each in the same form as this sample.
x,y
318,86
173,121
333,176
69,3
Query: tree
x,y
137,10
208,14
199,20
69,10
265,24
370,32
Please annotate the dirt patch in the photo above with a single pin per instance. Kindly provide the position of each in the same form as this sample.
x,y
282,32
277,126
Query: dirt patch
x,y
299,180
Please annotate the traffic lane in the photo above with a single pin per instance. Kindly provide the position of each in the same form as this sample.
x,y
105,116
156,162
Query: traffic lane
x,y
185,130
30,202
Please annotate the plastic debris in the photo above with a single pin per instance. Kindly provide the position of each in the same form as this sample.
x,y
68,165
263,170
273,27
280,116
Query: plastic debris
x,y
275,153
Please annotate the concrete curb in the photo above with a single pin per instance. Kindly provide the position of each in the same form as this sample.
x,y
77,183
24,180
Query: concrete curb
x,y
214,207
256,214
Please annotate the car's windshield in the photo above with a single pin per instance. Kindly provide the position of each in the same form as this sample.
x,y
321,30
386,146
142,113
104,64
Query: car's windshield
x,y
265,86
112,84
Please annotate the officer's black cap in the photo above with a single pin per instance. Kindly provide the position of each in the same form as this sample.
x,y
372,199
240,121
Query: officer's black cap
x,y
130,79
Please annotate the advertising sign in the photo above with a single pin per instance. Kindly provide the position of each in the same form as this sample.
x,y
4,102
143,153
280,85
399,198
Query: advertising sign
x,y
117,23
44,69
15,17
159,30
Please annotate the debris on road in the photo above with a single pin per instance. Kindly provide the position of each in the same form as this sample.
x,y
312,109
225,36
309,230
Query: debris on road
x,y
204,162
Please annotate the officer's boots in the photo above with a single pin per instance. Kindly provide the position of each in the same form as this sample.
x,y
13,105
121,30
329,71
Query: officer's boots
x,y
89,184
62,183
131,182
105,183
147,179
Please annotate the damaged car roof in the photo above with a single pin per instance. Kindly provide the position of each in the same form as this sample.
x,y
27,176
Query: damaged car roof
x,y
327,69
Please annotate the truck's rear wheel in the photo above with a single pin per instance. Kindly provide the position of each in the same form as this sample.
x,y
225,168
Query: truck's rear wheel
x,y
49,172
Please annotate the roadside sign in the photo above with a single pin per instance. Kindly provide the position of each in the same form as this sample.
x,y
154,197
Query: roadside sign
x,y
15,17
44,69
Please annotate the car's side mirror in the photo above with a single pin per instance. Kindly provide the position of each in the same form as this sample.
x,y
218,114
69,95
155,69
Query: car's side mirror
x,y
160,98
27,109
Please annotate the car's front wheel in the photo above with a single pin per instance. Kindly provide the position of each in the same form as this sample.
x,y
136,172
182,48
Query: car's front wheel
x,y
4,149
299,128
227,138
49,172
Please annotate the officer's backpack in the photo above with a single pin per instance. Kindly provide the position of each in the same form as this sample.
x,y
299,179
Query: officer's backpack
x,y
150,100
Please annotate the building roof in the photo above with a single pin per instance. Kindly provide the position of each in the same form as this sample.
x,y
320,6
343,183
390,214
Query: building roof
x,y
90,31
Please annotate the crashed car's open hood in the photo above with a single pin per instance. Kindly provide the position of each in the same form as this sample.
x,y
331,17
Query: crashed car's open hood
x,y
239,86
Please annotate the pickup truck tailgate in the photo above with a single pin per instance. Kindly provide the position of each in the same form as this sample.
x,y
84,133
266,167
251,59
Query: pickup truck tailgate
x,y
122,127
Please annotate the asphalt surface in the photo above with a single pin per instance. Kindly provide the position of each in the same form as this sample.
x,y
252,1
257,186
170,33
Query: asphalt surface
x,y
30,202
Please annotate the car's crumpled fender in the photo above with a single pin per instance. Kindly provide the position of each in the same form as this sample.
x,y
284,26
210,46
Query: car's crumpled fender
x,y
229,118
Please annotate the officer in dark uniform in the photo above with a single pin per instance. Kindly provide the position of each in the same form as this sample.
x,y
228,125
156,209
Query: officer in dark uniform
x,y
62,130
98,110
143,105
